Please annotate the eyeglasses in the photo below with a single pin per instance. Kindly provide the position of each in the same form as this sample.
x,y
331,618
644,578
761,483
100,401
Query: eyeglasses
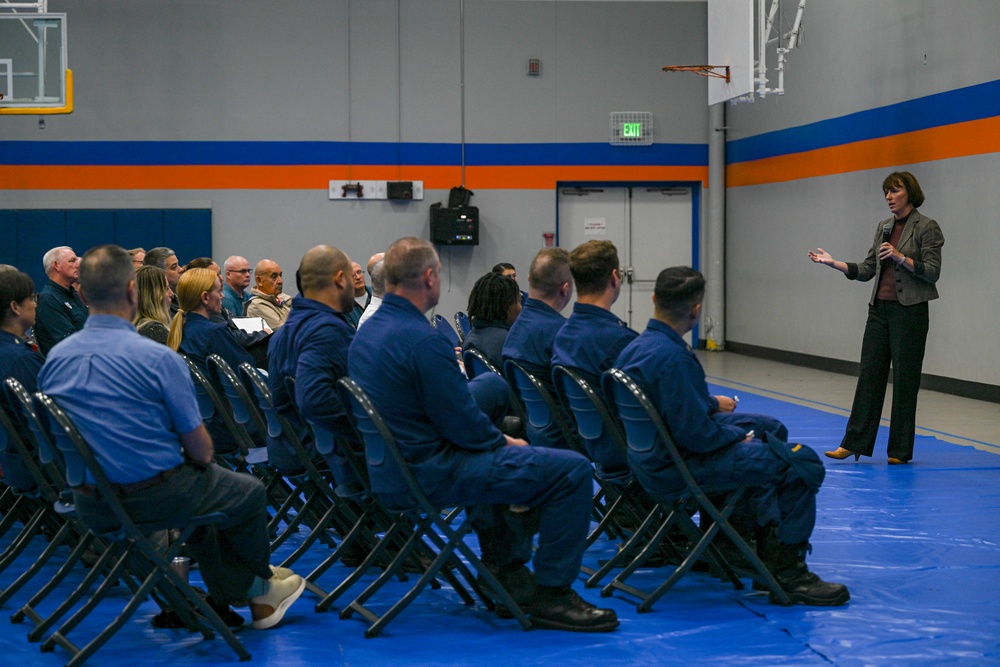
x,y
34,297
243,271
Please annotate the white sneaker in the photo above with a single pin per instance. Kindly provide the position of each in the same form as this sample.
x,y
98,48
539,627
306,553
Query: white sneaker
x,y
268,609
281,572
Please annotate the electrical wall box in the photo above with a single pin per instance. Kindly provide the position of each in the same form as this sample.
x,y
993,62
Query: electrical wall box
x,y
455,226
399,189
362,190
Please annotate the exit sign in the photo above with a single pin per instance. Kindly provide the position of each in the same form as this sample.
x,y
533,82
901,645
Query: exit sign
x,y
631,128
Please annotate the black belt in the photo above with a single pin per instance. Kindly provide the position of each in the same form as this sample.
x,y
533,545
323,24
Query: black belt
x,y
134,487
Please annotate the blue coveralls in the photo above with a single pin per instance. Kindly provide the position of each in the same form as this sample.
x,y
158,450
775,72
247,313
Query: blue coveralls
x,y
310,347
459,457
589,342
713,443
529,343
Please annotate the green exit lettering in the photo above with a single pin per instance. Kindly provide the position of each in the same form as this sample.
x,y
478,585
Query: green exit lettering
x,y
632,130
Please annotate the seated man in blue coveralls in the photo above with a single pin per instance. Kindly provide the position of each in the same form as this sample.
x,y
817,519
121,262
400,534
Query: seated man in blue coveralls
x,y
724,450
459,457
312,348
531,336
593,336
133,401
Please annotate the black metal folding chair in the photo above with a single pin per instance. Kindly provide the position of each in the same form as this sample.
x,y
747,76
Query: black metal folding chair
x,y
285,492
431,527
627,512
462,325
38,506
644,426
51,482
317,488
476,363
140,555
444,326
541,407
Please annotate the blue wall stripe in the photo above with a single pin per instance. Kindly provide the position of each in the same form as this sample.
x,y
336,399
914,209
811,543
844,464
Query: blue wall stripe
x,y
954,106
272,153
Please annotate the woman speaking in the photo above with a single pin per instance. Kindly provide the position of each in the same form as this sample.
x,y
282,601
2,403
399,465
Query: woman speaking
x,y
905,260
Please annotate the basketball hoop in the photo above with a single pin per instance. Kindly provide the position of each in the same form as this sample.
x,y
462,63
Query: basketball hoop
x,y
713,71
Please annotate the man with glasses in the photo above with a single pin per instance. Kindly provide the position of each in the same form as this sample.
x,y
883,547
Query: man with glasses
x,y
236,280
266,300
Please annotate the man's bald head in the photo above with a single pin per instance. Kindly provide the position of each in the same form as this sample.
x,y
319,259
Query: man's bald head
x,y
319,265
377,257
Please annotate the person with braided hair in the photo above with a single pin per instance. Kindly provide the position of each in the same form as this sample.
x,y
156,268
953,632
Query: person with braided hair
x,y
494,304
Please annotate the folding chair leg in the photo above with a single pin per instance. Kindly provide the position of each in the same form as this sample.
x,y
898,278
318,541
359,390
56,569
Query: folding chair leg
x,y
623,555
43,558
42,625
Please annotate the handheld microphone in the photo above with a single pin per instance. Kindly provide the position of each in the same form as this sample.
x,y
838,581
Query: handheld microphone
x,y
886,232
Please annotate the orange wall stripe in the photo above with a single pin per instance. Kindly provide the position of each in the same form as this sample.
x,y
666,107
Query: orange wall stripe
x,y
312,177
975,137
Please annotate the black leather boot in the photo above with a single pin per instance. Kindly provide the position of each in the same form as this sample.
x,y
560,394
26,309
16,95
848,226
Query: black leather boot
x,y
562,609
787,562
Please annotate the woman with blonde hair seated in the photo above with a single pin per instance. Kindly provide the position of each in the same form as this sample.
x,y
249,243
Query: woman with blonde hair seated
x,y
196,336
152,317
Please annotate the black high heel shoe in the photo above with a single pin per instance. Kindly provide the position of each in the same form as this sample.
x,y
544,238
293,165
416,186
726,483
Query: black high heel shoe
x,y
840,453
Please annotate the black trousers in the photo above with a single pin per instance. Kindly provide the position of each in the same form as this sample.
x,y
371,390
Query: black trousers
x,y
894,334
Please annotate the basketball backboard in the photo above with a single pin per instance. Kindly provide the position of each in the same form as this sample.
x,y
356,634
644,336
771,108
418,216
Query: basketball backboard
x,y
730,43
33,69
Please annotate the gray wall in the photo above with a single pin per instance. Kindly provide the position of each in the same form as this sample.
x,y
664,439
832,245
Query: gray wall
x,y
860,55
256,70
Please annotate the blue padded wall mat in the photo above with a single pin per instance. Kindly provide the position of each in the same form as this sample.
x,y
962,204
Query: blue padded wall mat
x,y
917,545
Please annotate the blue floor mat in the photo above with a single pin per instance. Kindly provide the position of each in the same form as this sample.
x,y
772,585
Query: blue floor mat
x,y
917,545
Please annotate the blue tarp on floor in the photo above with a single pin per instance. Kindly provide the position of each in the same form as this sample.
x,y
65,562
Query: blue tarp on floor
x,y
917,545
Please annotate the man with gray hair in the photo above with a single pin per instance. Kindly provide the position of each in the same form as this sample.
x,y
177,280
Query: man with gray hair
x,y
376,271
61,312
156,450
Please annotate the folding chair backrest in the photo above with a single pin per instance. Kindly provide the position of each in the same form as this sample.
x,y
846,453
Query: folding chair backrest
x,y
211,404
476,363
47,452
539,403
388,471
642,422
444,326
261,392
14,445
72,447
594,422
463,325
244,410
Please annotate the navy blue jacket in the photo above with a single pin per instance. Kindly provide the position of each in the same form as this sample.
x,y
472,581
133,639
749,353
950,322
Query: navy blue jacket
x,y
590,341
408,369
61,313
669,372
19,361
310,347
531,338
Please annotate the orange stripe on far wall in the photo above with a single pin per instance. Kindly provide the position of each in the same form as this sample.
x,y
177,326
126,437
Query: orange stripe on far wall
x,y
975,137
313,177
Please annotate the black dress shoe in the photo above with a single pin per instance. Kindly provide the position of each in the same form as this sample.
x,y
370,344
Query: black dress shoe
x,y
562,609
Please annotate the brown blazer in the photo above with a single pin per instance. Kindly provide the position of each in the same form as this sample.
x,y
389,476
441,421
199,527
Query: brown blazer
x,y
920,241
